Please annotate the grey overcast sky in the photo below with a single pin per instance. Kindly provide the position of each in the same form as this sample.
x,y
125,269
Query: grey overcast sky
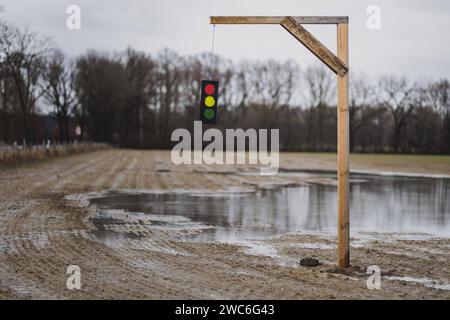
x,y
413,39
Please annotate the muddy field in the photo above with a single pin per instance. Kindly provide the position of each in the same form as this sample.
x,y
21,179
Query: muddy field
x,y
46,224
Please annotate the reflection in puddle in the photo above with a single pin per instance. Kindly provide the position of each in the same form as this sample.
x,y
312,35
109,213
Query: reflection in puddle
x,y
380,204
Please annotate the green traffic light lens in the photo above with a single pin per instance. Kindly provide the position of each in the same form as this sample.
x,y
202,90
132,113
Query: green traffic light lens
x,y
209,114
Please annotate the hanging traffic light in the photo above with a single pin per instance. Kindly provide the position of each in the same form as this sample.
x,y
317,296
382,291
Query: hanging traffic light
x,y
208,102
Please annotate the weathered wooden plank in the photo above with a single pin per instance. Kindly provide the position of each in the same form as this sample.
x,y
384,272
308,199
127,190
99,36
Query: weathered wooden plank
x,y
277,19
245,20
314,45
343,151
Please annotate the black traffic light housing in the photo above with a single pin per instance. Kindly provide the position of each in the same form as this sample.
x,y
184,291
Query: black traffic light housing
x,y
208,101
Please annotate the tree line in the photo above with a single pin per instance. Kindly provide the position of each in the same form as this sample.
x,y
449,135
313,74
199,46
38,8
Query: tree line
x,y
134,99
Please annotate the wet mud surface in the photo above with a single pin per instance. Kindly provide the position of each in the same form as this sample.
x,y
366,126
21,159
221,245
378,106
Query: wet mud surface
x,y
60,212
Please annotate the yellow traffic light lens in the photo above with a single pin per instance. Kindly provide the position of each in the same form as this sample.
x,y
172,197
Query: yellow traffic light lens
x,y
209,114
210,101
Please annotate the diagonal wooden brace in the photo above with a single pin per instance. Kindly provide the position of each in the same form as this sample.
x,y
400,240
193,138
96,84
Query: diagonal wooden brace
x,y
314,45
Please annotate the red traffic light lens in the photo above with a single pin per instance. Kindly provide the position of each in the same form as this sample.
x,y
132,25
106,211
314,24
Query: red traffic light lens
x,y
210,89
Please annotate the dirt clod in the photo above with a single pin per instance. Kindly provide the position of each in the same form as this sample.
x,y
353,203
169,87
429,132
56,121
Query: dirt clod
x,y
309,262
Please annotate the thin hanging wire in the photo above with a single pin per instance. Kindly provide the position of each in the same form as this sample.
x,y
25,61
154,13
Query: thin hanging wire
x,y
212,52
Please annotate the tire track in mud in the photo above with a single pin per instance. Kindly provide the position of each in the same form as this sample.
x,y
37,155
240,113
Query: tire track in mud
x,y
43,263
120,179
90,169
114,266
65,247
103,173
25,260
66,173
35,264
31,262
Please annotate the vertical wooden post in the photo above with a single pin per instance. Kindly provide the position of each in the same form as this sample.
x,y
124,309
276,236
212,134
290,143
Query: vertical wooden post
x,y
343,150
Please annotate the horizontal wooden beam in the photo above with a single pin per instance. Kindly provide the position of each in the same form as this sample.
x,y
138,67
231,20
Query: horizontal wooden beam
x,y
276,19
314,45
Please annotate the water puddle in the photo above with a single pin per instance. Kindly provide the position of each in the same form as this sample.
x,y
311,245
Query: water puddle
x,y
313,245
423,281
377,204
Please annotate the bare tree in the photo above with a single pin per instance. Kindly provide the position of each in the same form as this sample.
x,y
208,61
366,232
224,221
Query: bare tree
x,y
100,82
396,94
320,88
193,71
226,76
24,54
362,108
61,93
139,91
5,94
169,77
274,82
243,84
439,96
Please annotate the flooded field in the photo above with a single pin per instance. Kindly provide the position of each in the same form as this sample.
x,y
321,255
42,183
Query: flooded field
x,y
377,204
140,227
